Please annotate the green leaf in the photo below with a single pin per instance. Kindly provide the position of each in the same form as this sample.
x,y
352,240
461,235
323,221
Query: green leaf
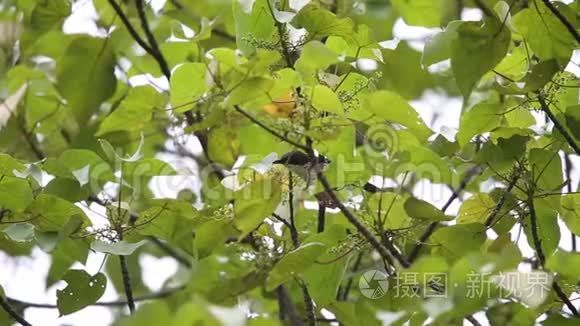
x,y
573,120
547,226
50,14
570,212
153,313
52,213
254,203
425,13
565,263
250,90
188,83
320,22
480,119
72,161
85,76
121,248
438,48
294,263
324,99
476,50
315,56
21,232
547,169
545,33
420,209
455,241
8,164
134,112
392,107
256,23
476,209
82,290
223,146
15,193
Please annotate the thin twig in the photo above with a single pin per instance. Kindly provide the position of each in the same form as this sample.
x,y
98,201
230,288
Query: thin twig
x,y
544,106
287,307
568,170
308,304
374,242
431,228
343,296
152,296
569,26
483,7
12,313
130,27
473,321
155,51
491,219
540,251
170,251
268,129
125,276
321,218
293,230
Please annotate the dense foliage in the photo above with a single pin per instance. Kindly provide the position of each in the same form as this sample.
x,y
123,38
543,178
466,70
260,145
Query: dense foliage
x,y
97,129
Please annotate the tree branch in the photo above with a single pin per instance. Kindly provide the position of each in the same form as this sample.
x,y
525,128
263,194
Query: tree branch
x,y
12,313
540,253
568,169
155,51
270,130
152,296
491,219
287,307
544,106
431,228
130,27
382,250
308,304
321,218
170,251
569,26
483,7
125,276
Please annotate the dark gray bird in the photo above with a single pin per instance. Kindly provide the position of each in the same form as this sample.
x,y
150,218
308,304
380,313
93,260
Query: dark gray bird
x,y
300,163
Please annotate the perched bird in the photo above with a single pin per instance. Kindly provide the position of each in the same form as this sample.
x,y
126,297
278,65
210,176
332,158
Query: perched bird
x,y
300,163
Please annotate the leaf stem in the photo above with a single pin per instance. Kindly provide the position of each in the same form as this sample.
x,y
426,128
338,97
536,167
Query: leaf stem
x,y
12,313
569,26
544,106
431,228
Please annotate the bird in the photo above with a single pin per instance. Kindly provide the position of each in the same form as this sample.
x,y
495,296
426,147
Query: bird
x,y
301,164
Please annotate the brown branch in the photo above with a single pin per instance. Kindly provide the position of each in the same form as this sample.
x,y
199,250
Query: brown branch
x,y
270,130
125,273
321,218
12,313
152,296
568,169
308,304
491,219
569,26
376,244
155,51
540,252
544,106
287,307
431,228
483,7
170,251
130,27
